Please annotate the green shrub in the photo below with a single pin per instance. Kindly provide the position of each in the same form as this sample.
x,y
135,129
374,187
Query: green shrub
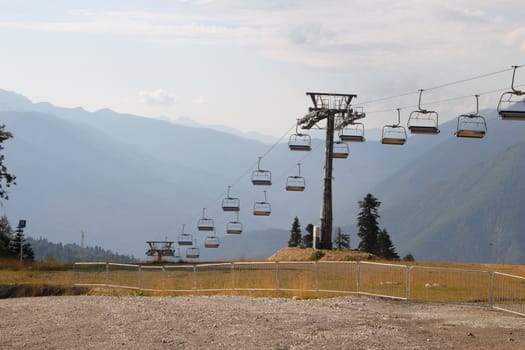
x,y
316,255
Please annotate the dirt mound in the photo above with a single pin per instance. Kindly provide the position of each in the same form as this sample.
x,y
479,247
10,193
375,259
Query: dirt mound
x,y
305,254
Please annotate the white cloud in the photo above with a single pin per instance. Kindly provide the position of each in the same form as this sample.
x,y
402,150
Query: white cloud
x,y
516,37
156,97
333,34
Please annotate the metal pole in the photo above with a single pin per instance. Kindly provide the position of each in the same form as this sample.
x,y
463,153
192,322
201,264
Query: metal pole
x,y
326,209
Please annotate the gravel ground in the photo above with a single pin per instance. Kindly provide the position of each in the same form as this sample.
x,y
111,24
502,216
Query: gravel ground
x,y
234,322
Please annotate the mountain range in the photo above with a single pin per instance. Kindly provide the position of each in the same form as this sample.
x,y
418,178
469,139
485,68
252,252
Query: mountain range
x,y
125,179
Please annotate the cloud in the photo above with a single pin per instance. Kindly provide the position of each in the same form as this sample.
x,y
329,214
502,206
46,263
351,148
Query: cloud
x,y
516,37
157,97
337,33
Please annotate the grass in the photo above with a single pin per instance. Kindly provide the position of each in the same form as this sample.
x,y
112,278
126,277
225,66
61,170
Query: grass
x,y
285,279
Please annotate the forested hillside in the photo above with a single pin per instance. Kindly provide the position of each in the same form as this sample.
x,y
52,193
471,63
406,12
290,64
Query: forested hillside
x,y
70,252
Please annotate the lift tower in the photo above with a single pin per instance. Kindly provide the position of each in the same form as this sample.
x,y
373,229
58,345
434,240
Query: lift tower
x,y
336,110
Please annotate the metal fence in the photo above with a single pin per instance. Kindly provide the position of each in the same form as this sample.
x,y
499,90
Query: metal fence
x,y
497,290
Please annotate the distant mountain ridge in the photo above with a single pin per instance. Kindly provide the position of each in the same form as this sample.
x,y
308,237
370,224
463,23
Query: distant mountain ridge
x,y
126,179
477,215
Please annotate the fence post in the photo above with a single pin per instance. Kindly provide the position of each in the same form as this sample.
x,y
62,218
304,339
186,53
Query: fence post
x,y
317,277
139,275
195,277
233,276
491,289
408,277
277,287
358,275
107,274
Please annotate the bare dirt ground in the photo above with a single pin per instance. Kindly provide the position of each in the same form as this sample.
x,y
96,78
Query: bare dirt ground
x,y
235,322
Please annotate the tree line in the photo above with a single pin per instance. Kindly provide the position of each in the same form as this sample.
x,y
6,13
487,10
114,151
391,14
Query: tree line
x,y
13,243
374,240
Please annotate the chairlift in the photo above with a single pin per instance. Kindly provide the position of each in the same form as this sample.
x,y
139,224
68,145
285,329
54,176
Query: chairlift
x,y
204,223
354,132
184,238
211,241
176,253
423,121
299,141
192,252
262,208
394,134
472,125
261,177
340,150
234,227
511,104
297,182
231,204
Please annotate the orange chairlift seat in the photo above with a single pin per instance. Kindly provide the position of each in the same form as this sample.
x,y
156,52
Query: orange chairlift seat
x,y
472,125
262,208
230,203
234,227
394,134
204,223
184,238
511,104
296,182
261,177
422,121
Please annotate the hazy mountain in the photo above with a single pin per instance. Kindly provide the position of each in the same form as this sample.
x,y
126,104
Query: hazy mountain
x,y
477,215
125,179
249,135
448,158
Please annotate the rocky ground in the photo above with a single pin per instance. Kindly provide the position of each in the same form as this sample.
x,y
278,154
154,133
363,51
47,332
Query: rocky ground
x,y
234,322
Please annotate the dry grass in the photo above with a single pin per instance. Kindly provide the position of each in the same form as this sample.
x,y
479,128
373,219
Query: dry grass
x,y
302,278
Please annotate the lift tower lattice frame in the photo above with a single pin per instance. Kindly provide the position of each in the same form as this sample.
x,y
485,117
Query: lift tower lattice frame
x,y
337,111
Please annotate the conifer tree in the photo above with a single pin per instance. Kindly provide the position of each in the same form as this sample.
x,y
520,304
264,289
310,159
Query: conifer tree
x,y
367,224
6,233
295,234
308,239
6,179
14,247
385,246
342,240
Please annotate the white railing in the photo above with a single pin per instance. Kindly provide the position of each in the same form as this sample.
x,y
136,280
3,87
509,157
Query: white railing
x,y
493,289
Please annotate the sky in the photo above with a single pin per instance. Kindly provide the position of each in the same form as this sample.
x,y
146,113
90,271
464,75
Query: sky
x,y
247,64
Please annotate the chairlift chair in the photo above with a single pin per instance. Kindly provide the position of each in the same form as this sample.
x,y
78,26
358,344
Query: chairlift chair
x,y
230,203
296,182
192,253
204,223
511,104
472,125
184,238
354,132
234,227
261,177
340,150
176,254
211,241
262,208
299,141
422,121
394,134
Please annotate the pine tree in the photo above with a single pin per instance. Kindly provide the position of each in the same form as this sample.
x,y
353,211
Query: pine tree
x,y
295,234
6,179
308,239
342,240
14,247
367,224
6,233
385,246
